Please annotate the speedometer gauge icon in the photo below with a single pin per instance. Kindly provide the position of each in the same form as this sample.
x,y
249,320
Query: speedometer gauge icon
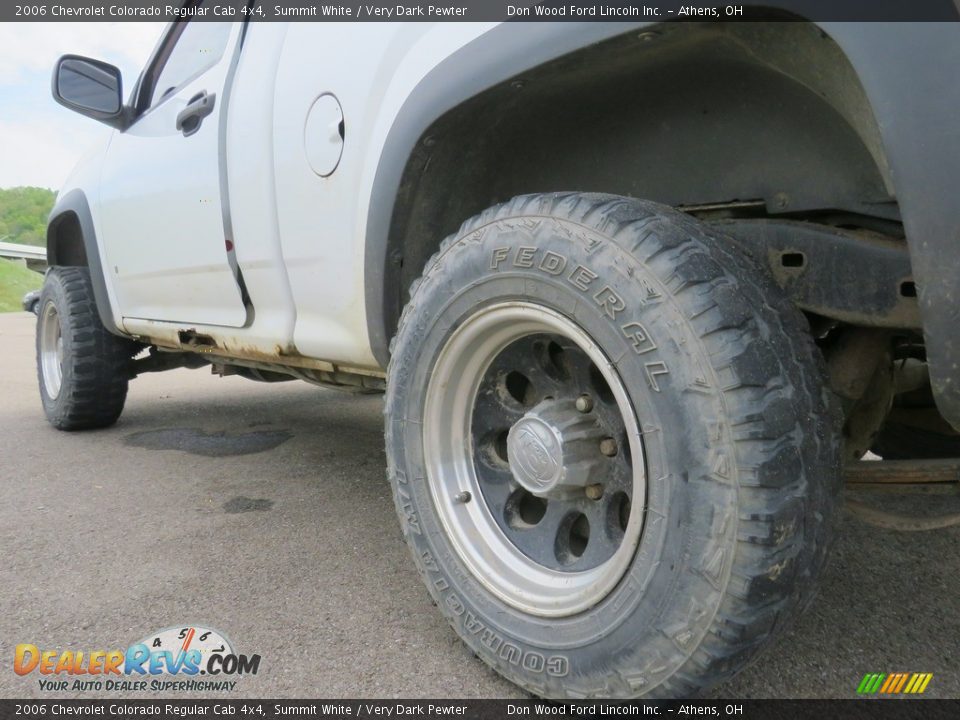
x,y
181,640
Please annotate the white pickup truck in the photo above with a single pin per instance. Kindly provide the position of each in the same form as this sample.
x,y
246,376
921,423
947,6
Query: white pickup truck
x,y
634,293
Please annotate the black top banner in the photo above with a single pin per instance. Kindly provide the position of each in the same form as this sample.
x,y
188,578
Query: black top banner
x,y
477,11
380,709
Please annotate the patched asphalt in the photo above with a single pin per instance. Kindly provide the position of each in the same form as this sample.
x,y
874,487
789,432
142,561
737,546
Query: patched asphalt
x,y
263,511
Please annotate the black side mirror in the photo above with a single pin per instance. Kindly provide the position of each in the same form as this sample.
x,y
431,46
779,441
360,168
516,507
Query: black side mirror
x,y
90,87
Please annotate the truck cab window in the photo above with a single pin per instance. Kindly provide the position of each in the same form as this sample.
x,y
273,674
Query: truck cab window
x,y
199,47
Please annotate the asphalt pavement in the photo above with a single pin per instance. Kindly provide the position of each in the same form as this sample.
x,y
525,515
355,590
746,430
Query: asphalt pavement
x,y
263,511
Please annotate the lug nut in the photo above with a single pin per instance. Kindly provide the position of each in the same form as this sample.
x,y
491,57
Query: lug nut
x,y
608,446
584,403
594,492
463,497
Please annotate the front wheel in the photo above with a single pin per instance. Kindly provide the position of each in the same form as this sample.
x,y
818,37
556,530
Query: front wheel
x,y
83,369
610,447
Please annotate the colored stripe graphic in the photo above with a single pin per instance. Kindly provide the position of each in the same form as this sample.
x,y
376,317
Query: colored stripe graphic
x,y
870,683
890,683
894,683
903,681
923,679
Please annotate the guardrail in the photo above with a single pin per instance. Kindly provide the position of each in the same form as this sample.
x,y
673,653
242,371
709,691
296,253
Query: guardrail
x,y
33,257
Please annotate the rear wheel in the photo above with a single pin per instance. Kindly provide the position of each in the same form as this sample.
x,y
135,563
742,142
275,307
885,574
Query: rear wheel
x,y
82,368
610,447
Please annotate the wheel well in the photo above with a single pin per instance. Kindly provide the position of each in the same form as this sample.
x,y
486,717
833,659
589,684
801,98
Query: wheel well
x,y
65,241
769,116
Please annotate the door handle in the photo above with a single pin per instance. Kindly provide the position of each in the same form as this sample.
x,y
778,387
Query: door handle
x,y
199,106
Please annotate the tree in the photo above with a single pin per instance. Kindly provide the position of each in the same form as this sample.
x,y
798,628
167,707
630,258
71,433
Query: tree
x,y
23,214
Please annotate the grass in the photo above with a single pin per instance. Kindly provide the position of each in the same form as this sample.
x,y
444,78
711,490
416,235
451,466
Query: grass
x,y
15,282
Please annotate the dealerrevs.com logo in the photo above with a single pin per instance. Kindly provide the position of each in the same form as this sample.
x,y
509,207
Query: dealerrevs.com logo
x,y
175,659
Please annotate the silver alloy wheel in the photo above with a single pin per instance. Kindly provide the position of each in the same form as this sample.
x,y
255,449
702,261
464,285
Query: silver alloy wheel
x,y
51,350
541,560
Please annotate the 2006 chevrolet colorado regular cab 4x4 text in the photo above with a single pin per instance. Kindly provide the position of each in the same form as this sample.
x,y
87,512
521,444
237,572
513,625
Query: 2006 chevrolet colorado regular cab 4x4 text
x,y
635,294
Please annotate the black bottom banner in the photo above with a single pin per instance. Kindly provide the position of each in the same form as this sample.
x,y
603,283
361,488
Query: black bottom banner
x,y
479,709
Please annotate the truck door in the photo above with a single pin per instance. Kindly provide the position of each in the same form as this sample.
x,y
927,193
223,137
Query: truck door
x,y
163,226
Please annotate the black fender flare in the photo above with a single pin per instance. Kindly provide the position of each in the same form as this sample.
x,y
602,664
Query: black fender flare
x,y
74,205
493,57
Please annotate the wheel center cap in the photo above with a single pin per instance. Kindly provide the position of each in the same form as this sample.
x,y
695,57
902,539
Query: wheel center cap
x,y
535,451
554,449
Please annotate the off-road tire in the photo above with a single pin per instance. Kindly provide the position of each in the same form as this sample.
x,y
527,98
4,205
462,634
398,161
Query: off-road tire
x,y
742,449
95,364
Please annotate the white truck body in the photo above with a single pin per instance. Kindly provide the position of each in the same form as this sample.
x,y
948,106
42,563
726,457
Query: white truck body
x,y
294,232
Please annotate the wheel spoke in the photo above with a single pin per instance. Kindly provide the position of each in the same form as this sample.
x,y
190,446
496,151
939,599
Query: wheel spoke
x,y
537,541
491,412
576,365
605,531
530,358
496,484
619,476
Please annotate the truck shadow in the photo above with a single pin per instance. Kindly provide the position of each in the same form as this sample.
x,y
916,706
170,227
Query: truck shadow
x,y
208,444
318,454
